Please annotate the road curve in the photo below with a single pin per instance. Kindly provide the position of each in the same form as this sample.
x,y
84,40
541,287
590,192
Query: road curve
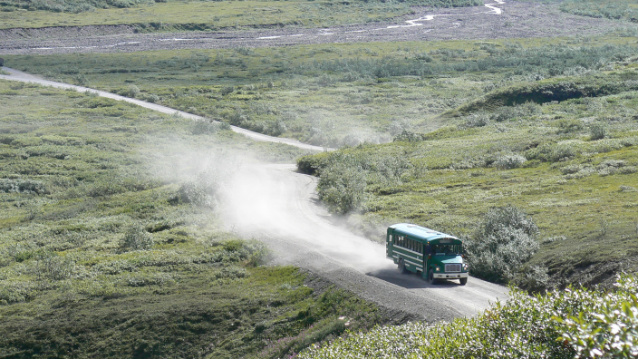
x,y
15,75
279,207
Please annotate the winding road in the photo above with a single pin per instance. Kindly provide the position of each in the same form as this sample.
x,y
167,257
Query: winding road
x,y
278,206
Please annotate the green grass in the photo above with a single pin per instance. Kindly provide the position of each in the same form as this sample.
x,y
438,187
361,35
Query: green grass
x,y
111,246
615,9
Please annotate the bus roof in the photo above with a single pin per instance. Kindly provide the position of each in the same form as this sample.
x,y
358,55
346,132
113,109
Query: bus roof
x,y
421,232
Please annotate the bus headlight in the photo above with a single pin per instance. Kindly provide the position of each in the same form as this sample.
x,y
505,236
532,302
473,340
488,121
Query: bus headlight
x,y
437,269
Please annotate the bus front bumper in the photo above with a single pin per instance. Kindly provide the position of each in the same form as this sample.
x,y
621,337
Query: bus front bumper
x,y
450,275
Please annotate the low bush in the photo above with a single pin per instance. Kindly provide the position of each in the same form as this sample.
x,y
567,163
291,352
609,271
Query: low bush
x,y
552,152
136,238
598,131
509,161
503,243
25,186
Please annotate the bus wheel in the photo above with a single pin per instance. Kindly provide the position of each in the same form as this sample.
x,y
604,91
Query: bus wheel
x,y
431,276
402,268
463,281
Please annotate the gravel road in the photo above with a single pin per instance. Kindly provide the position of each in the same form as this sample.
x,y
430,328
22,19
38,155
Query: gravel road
x,y
279,206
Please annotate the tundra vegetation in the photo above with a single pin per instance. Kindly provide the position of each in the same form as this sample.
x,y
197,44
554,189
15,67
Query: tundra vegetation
x,y
526,146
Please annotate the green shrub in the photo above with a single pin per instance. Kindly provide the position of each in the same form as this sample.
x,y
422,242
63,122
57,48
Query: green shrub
x,y
342,187
132,91
509,161
476,120
552,152
201,192
313,164
51,266
136,238
24,186
566,126
597,131
502,244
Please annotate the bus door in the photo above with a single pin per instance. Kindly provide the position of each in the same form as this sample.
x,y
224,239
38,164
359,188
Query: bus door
x,y
427,252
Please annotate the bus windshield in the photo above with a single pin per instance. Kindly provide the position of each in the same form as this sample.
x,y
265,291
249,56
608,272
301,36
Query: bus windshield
x,y
447,249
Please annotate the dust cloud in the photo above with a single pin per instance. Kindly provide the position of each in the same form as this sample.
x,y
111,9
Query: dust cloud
x,y
274,204
271,203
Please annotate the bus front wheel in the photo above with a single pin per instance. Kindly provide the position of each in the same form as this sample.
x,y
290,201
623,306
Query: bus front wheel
x,y
431,276
402,268
463,281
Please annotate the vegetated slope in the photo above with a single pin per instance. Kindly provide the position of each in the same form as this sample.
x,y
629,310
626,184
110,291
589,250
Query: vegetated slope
x,y
614,9
570,164
111,247
575,323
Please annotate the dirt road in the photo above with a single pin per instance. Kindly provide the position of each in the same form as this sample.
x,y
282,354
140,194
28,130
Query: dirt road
x,y
279,206
15,75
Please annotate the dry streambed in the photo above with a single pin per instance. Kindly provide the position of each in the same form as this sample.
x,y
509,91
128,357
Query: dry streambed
x,y
497,19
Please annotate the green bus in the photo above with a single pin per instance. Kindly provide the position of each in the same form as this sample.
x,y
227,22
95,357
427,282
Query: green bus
x,y
428,253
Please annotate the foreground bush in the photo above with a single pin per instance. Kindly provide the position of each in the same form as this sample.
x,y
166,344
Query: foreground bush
x,y
574,323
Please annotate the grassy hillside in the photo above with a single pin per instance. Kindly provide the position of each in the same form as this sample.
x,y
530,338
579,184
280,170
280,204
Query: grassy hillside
x,y
110,246
571,164
615,9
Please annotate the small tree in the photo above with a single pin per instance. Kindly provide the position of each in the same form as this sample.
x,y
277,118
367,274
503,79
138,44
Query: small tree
x,y
504,241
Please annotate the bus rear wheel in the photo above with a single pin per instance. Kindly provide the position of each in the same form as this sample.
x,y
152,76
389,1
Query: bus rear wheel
x,y
463,281
402,268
